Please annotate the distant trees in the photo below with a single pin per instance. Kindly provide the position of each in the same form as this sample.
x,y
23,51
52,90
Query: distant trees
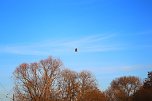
x,y
143,95
123,88
93,95
145,92
130,89
47,81
88,90
148,81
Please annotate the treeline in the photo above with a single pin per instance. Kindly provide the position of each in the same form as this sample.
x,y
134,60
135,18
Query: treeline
x,y
48,80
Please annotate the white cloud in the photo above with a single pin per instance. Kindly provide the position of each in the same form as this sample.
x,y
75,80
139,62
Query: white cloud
x,y
95,43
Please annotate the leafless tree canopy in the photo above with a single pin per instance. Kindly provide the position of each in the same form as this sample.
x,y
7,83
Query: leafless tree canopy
x,y
123,88
36,81
47,81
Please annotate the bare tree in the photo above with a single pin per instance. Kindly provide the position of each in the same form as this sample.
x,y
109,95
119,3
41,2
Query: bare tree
x,y
123,88
88,87
68,85
86,81
46,81
36,81
93,95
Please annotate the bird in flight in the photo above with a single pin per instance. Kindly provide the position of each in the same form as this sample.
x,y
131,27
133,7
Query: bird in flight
x,y
76,50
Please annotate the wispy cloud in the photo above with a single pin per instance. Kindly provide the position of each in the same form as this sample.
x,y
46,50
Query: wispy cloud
x,y
94,43
120,69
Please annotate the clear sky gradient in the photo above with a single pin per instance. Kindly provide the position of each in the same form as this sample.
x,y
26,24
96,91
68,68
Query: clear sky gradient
x,y
113,37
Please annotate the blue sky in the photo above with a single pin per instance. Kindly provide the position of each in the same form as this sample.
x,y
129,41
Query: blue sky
x,y
113,37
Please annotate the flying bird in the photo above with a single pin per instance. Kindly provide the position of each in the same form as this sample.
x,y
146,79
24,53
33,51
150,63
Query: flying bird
x,y
76,50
